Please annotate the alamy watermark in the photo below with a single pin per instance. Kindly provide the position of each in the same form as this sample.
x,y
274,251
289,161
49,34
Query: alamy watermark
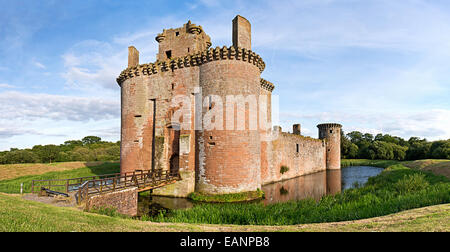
x,y
230,112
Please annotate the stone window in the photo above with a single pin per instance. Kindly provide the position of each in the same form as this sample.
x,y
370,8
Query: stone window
x,y
173,86
331,131
297,148
177,34
169,54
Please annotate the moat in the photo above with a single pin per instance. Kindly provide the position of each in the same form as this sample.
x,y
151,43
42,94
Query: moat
x,y
313,186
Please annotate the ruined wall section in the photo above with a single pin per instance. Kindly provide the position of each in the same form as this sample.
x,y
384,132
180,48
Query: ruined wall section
x,y
124,201
182,41
242,33
301,155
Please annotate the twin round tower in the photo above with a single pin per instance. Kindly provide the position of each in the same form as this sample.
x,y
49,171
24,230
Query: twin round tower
x,y
191,81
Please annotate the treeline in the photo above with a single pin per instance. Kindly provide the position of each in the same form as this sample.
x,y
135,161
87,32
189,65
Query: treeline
x,y
90,148
359,145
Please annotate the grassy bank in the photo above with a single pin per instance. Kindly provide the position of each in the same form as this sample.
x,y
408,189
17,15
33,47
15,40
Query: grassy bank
x,y
396,189
368,162
19,215
223,198
13,185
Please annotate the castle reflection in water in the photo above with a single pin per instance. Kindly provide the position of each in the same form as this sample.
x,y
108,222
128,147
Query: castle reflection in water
x,y
314,186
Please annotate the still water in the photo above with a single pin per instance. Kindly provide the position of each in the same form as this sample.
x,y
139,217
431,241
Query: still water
x,y
313,186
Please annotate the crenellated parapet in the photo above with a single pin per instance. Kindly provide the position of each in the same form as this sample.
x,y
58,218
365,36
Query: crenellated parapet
x,y
197,59
267,85
329,125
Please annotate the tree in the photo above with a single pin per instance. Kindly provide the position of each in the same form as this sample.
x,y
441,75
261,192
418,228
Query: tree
x,y
47,153
91,140
348,149
20,157
440,149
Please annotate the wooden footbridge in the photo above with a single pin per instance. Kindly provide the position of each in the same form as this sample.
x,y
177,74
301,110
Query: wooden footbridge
x,y
85,187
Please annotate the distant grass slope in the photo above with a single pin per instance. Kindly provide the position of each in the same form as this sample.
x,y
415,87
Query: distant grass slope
x,y
13,185
10,171
19,215
436,166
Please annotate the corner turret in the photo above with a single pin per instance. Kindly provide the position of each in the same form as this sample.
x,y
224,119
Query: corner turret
x,y
332,133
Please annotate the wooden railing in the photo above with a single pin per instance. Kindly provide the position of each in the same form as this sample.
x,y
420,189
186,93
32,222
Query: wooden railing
x,y
86,186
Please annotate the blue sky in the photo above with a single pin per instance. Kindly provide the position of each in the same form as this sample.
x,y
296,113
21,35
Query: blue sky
x,y
376,66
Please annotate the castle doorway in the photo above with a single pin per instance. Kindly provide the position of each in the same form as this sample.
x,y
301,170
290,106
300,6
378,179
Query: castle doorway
x,y
174,164
173,147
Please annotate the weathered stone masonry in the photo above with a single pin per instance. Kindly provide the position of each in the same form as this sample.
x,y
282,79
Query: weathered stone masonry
x,y
211,161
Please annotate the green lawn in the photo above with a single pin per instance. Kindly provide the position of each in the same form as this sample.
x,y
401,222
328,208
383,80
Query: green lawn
x,y
13,185
19,215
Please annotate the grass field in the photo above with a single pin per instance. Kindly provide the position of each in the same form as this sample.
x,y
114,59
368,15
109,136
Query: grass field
x,y
13,185
17,214
11,171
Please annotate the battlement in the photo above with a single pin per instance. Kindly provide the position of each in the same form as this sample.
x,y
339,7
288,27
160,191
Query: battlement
x,y
329,125
269,86
197,59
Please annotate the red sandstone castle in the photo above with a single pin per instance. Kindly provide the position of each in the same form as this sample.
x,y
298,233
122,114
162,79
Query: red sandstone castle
x,y
188,81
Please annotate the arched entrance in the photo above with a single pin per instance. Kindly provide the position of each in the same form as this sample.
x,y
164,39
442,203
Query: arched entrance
x,y
172,135
174,164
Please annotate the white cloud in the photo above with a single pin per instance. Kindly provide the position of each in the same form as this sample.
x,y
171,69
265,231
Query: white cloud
x,y
5,85
431,124
26,106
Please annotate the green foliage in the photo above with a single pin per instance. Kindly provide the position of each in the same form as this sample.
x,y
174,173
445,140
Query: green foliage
x,y
19,157
90,148
90,140
411,183
284,169
364,146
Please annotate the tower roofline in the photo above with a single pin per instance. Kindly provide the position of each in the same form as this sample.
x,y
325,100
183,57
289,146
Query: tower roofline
x,y
329,125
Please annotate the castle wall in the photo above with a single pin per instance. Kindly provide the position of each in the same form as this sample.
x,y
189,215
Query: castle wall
x,y
229,160
282,151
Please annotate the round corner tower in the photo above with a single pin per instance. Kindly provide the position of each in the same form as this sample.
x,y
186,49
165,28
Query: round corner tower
x,y
331,132
229,157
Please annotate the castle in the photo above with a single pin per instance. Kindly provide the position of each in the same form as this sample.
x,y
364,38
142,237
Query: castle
x,y
190,82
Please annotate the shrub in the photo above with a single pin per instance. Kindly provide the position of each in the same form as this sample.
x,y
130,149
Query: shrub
x,y
411,183
284,169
